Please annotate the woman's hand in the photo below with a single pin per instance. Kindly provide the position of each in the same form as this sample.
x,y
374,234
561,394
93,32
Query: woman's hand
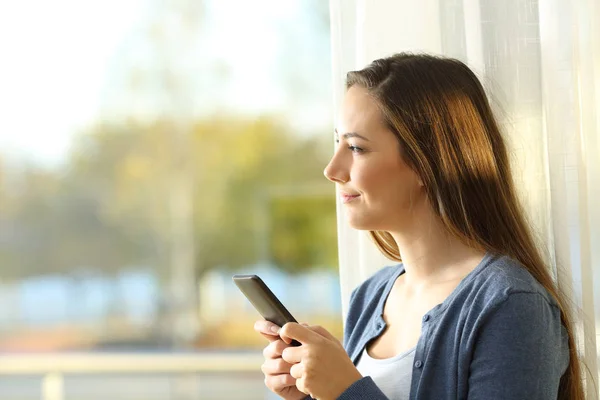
x,y
321,366
276,370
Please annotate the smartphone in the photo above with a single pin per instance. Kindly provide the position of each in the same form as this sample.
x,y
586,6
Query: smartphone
x,y
264,301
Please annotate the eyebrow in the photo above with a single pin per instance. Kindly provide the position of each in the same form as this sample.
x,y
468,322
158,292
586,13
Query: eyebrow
x,y
352,135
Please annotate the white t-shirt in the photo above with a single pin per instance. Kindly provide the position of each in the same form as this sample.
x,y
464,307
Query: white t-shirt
x,y
392,375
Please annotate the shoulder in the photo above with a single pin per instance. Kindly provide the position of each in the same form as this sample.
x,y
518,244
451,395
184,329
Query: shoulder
x,y
503,299
504,278
511,319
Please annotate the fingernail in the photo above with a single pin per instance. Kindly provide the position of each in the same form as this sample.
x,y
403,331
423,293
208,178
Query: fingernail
x,y
275,329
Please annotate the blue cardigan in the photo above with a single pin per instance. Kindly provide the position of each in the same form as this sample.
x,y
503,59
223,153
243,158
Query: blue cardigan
x,y
498,336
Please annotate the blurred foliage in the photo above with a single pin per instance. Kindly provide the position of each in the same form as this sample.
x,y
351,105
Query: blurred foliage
x,y
256,187
305,232
108,208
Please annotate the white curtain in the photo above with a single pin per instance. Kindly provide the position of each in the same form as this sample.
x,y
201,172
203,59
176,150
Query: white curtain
x,y
540,63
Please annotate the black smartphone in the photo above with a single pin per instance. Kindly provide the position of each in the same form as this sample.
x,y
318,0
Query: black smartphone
x,y
264,301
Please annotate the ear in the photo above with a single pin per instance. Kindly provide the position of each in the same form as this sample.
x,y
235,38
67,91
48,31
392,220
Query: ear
x,y
420,182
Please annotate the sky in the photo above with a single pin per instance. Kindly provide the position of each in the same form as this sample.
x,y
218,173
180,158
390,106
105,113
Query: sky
x,y
56,59
53,62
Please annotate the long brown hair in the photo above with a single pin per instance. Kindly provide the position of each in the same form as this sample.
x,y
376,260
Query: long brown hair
x,y
441,116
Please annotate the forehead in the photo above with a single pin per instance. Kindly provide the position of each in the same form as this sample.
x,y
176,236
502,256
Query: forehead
x,y
359,112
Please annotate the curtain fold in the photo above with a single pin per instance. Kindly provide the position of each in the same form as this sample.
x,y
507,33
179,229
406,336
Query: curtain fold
x,y
540,64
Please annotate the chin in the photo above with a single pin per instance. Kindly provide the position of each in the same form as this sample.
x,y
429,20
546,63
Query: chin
x,y
362,224
368,221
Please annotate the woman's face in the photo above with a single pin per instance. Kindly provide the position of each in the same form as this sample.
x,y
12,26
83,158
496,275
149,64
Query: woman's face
x,y
378,189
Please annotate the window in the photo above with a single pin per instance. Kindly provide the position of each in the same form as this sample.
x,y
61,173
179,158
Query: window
x,y
148,151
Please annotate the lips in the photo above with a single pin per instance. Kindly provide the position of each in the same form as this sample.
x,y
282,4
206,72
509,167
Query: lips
x,y
346,197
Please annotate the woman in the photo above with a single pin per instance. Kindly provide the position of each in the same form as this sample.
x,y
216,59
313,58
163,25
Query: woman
x,y
471,312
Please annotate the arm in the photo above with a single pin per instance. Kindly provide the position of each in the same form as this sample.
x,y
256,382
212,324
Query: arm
x,y
364,389
521,351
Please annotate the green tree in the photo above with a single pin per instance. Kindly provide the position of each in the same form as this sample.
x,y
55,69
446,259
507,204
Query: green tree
x,y
238,163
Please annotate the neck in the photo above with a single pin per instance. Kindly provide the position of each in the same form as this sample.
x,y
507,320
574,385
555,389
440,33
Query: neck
x,y
431,254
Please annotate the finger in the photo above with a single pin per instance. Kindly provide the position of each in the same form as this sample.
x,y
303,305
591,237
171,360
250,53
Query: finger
x,y
279,382
301,386
267,329
293,330
297,371
270,338
276,366
275,349
292,354
323,332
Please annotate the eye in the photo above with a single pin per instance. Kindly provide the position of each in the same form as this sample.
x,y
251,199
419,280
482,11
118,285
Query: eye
x,y
355,149
352,148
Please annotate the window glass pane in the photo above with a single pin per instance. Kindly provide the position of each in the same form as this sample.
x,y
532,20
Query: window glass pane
x,y
148,151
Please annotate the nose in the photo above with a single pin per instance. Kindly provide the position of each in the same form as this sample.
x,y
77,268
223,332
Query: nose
x,y
335,171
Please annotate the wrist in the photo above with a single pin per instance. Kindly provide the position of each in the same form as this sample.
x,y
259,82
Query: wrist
x,y
353,377
294,396
301,396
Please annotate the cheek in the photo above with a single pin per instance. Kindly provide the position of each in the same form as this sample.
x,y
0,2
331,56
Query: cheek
x,y
372,177
370,182
395,195
401,201
388,186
